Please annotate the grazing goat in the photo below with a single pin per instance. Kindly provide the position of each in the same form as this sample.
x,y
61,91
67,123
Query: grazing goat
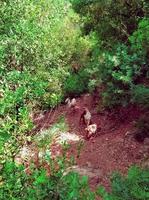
x,y
91,130
86,116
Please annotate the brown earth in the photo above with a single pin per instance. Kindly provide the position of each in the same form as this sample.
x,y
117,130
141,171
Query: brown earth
x,y
113,148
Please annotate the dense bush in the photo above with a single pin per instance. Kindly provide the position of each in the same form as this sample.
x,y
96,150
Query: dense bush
x,y
119,59
47,52
140,95
76,83
114,21
134,186
16,184
139,39
31,40
117,70
39,41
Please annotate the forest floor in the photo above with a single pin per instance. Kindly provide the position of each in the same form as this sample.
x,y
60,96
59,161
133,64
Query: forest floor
x,y
114,147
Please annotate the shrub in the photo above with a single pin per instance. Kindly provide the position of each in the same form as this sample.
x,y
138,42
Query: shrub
x,y
117,70
112,24
140,38
119,58
16,184
135,186
36,48
140,95
76,84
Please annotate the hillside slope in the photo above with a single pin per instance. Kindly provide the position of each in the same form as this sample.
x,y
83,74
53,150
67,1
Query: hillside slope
x,y
113,148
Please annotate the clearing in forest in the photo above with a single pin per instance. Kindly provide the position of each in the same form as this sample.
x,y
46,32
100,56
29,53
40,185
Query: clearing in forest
x,y
113,148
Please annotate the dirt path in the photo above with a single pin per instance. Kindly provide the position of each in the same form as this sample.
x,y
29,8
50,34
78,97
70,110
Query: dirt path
x,y
110,150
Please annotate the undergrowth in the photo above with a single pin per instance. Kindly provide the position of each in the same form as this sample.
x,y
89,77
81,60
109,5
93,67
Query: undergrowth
x,y
134,186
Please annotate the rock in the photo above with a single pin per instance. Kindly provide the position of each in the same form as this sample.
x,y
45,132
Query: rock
x,y
83,171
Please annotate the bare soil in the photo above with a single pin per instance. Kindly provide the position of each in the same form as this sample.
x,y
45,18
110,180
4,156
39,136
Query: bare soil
x,y
112,149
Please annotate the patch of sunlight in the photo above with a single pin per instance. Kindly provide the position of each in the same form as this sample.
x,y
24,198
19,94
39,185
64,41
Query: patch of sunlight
x,y
83,171
66,137
47,136
57,133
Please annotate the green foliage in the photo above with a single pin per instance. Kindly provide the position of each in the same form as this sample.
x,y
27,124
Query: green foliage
x,y
40,40
16,184
32,37
112,20
134,186
48,51
76,84
75,187
45,137
117,71
119,58
140,95
36,49
140,37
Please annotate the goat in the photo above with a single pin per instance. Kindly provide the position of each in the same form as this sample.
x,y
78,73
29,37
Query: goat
x,y
91,130
71,103
86,116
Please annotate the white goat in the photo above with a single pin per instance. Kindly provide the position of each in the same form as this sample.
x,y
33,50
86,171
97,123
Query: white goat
x,y
71,103
91,130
